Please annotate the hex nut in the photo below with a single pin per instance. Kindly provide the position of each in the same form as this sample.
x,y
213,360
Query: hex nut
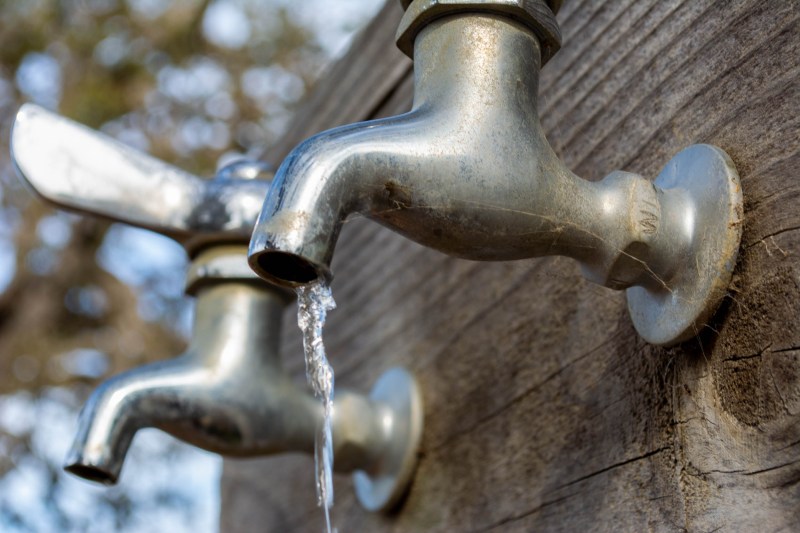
x,y
537,15
225,263
554,5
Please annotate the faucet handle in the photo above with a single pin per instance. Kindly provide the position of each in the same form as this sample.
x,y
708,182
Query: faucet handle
x,y
80,169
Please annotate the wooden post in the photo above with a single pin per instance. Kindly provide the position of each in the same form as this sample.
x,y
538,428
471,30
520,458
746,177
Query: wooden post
x,y
544,410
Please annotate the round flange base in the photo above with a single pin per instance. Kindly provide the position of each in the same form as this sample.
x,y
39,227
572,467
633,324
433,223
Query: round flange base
x,y
707,177
382,489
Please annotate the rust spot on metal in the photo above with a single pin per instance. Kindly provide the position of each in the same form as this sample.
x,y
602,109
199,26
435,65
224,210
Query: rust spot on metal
x,y
398,195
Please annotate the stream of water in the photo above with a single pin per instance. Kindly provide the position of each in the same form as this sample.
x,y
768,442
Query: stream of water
x,y
314,301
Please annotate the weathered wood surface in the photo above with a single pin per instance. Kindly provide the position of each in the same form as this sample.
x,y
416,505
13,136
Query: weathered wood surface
x,y
544,410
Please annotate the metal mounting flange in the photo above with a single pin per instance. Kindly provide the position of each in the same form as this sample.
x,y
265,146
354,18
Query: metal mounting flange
x,y
382,487
679,311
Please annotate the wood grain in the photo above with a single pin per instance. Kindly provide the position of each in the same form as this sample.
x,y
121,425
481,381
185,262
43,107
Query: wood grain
x,y
544,410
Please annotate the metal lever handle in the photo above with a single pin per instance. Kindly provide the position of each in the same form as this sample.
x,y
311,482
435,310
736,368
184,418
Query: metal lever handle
x,y
80,169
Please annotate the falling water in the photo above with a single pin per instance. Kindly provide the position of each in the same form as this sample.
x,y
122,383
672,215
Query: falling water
x,y
314,301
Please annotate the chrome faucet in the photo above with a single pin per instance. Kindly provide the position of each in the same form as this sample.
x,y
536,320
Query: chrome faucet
x,y
227,393
469,172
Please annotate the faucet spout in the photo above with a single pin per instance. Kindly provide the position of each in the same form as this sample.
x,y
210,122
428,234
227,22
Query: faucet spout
x,y
228,394
424,173
469,172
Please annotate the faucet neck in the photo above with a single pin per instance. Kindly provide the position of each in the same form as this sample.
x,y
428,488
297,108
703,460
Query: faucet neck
x,y
478,63
238,325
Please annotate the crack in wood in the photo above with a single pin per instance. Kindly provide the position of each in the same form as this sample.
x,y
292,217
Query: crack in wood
x,y
615,465
785,350
771,468
790,445
746,357
771,235
693,471
530,512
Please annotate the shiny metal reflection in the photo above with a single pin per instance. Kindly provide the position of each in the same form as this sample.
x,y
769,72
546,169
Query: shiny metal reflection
x,y
469,172
227,393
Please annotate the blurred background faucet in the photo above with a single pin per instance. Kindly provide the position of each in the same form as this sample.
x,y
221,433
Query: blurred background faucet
x,y
227,393
469,172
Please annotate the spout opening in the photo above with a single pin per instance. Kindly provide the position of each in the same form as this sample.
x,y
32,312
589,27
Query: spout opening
x,y
91,473
288,269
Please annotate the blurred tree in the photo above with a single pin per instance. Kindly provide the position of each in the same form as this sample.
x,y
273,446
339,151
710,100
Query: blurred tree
x,y
188,81
194,82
